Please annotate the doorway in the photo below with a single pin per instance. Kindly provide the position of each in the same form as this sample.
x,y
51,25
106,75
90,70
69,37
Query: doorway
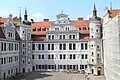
x,y
4,75
92,71
23,70
99,72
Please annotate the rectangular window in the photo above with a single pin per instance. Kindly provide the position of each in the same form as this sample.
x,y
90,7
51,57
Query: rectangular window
x,y
1,60
74,46
82,57
12,46
82,46
85,66
64,56
52,36
60,56
73,36
70,56
49,56
73,56
52,56
86,46
70,46
4,60
92,54
2,46
63,36
33,46
60,46
52,46
42,56
92,60
64,46
39,56
15,46
33,56
70,36
43,47
39,46
60,36
49,36
86,56
82,66
48,46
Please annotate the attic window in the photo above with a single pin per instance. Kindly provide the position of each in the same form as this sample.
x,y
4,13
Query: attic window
x,y
34,29
84,28
79,28
39,29
43,29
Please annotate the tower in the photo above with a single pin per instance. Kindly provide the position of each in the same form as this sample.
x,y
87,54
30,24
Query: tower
x,y
95,61
25,45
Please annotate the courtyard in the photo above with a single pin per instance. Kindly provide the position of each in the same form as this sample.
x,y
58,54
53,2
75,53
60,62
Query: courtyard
x,y
41,75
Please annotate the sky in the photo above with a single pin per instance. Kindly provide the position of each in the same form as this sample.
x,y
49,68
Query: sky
x,y
42,9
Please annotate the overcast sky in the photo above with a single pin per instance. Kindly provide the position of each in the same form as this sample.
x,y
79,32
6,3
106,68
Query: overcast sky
x,y
40,9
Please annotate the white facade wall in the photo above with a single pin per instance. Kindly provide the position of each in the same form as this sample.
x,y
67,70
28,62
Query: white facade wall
x,y
111,42
9,51
56,52
9,58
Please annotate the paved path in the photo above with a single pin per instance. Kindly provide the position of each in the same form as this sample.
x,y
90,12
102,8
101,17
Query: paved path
x,y
56,76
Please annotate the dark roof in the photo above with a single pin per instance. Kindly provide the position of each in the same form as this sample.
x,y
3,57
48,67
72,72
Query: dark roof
x,y
17,37
2,35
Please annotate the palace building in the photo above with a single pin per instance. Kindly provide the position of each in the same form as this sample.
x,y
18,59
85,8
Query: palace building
x,y
61,45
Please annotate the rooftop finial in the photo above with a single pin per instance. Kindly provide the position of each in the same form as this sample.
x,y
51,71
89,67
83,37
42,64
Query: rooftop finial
x,y
61,11
94,6
20,13
94,11
25,11
25,16
110,6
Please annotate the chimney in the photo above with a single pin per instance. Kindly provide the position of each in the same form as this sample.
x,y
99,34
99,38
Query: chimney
x,y
45,20
80,18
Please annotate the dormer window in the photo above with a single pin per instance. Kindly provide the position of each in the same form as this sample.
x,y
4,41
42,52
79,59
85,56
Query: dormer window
x,y
34,29
8,34
84,28
79,28
43,29
39,29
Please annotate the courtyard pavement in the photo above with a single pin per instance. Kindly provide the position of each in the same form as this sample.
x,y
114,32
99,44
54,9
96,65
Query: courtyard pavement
x,y
40,75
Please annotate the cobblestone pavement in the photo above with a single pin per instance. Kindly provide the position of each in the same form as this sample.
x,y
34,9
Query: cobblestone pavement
x,y
55,76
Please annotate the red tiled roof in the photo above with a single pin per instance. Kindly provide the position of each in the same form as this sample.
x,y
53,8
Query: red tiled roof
x,y
1,33
82,24
2,21
113,13
40,25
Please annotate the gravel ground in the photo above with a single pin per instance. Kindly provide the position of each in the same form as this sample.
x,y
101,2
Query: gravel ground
x,y
40,75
